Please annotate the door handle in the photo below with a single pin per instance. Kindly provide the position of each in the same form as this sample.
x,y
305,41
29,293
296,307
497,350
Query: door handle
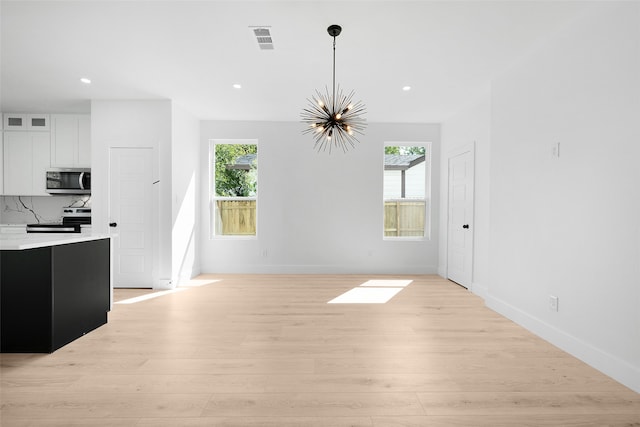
x,y
113,224
465,226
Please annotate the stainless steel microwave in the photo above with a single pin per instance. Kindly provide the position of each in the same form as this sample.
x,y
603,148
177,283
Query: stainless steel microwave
x,y
69,181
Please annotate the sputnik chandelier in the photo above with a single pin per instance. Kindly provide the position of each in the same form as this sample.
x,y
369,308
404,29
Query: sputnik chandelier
x,y
334,119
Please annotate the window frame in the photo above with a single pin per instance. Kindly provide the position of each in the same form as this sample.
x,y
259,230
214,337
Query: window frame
x,y
427,190
212,190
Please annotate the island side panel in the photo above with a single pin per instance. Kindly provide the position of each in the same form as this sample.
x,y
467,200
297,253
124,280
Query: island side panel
x,y
81,289
25,301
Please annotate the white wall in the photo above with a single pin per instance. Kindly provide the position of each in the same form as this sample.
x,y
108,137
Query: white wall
x,y
471,126
569,226
318,213
185,210
135,124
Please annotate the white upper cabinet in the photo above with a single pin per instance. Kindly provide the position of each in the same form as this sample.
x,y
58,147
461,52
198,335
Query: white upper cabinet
x,y
1,157
27,122
38,122
32,143
70,140
15,121
84,140
2,163
26,160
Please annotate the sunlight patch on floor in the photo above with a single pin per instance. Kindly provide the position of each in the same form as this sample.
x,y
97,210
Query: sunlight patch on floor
x,y
366,296
193,283
388,283
372,292
149,296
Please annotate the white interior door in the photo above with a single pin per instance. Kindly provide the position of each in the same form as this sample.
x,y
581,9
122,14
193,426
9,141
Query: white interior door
x,y
460,225
130,216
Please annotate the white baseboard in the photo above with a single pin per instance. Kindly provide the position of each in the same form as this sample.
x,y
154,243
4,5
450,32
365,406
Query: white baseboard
x,y
165,284
610,365
480,290
320,269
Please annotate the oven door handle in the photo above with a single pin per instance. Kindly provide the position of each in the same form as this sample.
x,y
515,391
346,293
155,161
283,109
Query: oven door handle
x,y
81,180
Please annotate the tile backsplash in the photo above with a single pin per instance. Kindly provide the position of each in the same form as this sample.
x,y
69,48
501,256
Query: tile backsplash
x,y
37,209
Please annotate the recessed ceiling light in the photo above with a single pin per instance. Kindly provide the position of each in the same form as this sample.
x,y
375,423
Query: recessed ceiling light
x,y
85,80
406,88
237,86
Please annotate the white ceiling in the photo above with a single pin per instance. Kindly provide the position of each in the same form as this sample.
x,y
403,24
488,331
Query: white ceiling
x,y
194,51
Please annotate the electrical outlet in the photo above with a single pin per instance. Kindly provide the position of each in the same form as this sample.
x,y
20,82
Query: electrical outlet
x,y
555,150
553,303
264,253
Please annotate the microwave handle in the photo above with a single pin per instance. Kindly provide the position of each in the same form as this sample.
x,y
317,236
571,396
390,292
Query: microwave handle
x,y
81,180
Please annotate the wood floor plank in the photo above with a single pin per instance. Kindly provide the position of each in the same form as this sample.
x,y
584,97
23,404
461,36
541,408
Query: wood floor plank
x,y
259,422
267,350
251,383
525,403
539,420
313,404
75,422
228,366
84,405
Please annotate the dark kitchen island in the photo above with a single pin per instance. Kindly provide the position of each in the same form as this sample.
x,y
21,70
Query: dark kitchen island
x,y
53,289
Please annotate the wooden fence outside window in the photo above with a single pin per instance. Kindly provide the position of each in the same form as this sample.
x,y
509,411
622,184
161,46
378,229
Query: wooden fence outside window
x,y
235,217
404,218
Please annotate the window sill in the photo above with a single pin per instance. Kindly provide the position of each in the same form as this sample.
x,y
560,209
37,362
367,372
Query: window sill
x,y
405,238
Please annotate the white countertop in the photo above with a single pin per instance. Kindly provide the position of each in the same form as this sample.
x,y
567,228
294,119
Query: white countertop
x,y
9,241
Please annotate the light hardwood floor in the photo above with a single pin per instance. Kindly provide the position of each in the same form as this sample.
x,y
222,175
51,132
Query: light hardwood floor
x,y
267,350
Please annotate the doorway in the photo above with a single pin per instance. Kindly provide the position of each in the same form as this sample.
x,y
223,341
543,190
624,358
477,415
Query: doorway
x,y
130,216
460,215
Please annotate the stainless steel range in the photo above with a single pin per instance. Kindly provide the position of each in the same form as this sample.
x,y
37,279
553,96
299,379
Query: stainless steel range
x,y
72,221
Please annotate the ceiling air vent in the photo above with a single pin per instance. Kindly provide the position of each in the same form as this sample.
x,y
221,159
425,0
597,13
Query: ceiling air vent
x,y
263,37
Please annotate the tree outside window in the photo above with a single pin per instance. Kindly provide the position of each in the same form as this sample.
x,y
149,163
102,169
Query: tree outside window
x,y
235,189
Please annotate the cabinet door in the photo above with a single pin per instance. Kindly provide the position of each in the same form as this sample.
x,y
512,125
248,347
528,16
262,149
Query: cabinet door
x,y
18,163
64,140
15,121
41,162
71,140
26,160
38,122
2,163
84,141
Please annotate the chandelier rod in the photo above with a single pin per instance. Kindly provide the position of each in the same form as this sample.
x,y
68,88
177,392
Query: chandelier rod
x,y
334,73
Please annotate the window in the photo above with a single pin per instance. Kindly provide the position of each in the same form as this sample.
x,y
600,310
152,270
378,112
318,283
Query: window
x,y
234,189
405,190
